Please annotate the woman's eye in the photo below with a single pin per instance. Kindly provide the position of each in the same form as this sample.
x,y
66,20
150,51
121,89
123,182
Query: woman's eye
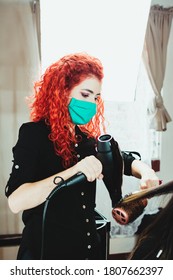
x,y
85,95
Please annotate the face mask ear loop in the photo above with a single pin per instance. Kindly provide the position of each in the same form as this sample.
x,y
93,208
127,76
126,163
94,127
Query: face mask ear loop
x,y
58,185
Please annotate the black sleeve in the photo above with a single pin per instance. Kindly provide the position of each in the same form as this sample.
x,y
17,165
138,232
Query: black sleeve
x,y
128,158
25,158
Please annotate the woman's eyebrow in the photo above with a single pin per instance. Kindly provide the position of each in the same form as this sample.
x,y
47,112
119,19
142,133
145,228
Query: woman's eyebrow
x,y
89,91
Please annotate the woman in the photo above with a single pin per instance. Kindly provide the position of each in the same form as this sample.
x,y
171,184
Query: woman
x,y
155,241
66,119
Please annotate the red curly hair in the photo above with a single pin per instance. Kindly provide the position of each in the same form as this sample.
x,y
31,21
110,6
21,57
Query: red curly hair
x,y
51,97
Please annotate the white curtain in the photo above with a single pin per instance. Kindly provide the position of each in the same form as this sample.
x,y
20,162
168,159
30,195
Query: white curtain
x,y
19,68
154,55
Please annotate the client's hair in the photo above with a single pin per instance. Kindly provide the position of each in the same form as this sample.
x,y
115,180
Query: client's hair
x,y
156,241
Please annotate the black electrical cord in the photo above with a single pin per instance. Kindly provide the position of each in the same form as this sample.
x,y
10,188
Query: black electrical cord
x,y
72,181
60,185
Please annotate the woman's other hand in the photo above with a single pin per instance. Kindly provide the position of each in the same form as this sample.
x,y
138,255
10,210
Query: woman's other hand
x,y
146,174
149,179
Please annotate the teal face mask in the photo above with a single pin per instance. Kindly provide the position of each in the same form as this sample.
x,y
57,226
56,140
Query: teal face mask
x,y
81,112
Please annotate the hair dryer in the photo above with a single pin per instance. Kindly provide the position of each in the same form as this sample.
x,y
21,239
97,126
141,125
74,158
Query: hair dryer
x,y
109,154
132,205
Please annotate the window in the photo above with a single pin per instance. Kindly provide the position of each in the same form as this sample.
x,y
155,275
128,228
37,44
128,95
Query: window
x,y
111,30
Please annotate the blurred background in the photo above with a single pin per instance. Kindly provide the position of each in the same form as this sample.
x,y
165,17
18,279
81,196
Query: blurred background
x,y
138,100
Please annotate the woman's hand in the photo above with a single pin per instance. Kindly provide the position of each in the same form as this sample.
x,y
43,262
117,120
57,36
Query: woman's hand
x,y
146,174
149,179
91,167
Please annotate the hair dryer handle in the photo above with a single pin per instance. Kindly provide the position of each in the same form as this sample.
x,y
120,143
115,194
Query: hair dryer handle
x,y
72,181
